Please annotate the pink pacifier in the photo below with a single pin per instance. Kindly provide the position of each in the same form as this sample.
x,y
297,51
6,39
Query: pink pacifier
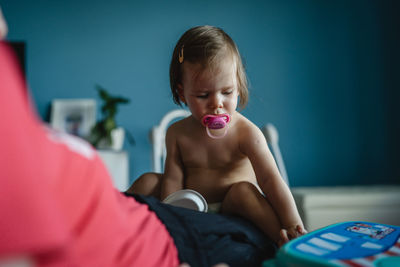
x,y
214,123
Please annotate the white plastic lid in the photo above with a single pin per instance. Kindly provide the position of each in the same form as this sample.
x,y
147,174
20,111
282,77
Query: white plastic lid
x,y
187,198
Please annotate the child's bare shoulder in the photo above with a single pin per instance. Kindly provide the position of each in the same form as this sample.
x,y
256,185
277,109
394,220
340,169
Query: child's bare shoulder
x,y
177,128
247,128
250,135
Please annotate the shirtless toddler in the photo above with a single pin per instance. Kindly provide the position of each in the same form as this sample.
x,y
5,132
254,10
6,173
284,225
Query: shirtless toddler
x,y
238,170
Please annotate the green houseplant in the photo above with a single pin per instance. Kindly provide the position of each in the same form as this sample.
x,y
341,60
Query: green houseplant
x,y
101,135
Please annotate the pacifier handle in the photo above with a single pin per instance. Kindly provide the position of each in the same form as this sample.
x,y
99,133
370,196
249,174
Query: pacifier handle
x,y
216,136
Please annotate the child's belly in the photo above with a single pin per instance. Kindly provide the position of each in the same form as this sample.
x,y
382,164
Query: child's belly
x,y
214,184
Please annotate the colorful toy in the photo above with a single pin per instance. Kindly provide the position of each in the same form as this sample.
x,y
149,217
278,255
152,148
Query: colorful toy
x,y
214,123
343,244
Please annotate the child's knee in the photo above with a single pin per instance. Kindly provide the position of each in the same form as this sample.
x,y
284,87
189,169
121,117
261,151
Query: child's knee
x,y
243,189
146,184
149,178
241,192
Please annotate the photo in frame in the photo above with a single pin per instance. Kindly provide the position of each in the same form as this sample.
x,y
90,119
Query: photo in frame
x,y
74,116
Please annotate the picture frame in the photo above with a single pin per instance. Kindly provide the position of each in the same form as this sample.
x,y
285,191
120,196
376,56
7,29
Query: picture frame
x,y
73,116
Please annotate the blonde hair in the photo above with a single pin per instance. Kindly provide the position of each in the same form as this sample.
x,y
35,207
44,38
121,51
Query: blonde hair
x,y
206,45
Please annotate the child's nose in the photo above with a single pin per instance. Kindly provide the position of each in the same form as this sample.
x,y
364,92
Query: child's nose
x,y
216,102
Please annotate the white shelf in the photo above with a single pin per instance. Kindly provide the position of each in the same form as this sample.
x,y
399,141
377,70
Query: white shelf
x,y
321,206
117,163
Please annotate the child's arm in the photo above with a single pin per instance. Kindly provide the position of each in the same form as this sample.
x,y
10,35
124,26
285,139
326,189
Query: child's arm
x,y
254,145
172,180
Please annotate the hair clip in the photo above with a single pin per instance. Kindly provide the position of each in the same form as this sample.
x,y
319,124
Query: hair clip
x,y
180,55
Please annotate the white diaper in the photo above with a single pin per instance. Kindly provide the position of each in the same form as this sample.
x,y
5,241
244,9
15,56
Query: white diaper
x,y
214,207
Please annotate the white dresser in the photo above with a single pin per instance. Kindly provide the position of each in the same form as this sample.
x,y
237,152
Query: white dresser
x,y
321,206
117,163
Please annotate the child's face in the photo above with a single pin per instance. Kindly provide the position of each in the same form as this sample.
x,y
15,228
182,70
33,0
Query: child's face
x,y
209,91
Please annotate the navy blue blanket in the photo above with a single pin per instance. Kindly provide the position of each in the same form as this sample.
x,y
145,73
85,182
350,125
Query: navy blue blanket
x,y
205,239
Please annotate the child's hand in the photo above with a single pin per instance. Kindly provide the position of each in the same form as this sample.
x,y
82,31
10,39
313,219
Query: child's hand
x,y
290,233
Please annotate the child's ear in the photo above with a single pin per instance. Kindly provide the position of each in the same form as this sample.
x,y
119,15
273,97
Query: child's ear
x,y
180,92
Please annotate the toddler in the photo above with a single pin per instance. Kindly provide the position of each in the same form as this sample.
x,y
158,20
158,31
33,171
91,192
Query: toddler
x,y
237,170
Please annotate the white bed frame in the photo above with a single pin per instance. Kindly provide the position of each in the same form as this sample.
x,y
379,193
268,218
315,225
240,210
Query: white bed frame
x,y
157,138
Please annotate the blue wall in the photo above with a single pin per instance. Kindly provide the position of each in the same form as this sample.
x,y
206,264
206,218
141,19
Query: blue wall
x,y
326,73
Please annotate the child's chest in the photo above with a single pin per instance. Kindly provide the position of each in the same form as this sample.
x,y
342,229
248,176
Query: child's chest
x,y
210,154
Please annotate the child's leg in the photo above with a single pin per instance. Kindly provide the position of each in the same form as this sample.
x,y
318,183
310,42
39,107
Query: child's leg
x,y
148,184
245,200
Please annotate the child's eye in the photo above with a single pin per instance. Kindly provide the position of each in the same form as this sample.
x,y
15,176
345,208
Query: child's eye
x,y
227,92
202,96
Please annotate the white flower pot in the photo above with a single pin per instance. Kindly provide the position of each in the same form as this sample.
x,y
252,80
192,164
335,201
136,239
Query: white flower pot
x,y
117,137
